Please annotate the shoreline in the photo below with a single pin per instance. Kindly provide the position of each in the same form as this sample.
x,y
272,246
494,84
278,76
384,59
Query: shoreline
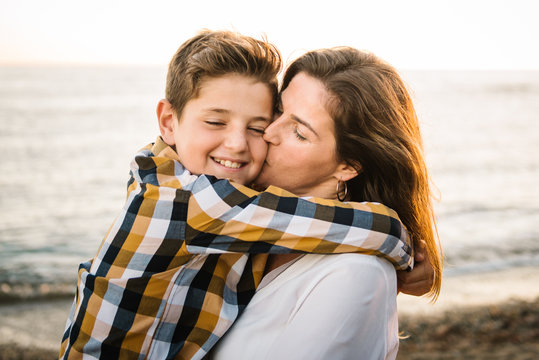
x,y
476,289
486,303
34,324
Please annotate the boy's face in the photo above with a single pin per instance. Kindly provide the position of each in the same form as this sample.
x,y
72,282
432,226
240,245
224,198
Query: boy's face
x,y
220,132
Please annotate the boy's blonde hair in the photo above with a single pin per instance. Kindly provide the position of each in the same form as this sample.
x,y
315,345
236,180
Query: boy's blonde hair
x,y
217,53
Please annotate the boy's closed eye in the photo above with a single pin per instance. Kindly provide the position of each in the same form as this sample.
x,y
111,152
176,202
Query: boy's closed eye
x,y
215,122
257,129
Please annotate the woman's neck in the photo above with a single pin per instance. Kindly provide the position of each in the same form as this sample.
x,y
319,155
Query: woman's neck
x,y
326,190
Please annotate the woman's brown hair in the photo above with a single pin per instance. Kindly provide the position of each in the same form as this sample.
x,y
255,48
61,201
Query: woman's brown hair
x,y
377,132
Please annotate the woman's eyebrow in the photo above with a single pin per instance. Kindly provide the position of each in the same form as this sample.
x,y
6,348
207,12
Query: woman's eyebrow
x,y
304,123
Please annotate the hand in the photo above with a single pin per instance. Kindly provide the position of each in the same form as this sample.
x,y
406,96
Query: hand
x,y
418,281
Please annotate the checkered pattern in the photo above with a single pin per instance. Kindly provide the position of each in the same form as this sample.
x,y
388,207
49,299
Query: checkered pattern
x,y
186,254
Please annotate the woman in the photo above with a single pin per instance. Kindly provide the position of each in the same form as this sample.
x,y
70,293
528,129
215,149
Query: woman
x,y
340,109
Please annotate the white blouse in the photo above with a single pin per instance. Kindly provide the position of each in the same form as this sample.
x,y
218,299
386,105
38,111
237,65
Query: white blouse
x,y
320,307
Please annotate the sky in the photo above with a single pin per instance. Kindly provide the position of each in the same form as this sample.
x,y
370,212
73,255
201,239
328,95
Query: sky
x,y
410,34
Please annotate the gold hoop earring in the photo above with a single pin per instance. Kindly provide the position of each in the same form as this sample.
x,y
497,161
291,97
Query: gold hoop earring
x,y
339,190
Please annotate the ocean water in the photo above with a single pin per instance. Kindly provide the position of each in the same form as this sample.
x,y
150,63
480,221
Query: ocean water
x,y
68,133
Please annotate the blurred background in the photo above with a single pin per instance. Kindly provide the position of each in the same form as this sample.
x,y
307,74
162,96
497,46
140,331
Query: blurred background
x,y
79,83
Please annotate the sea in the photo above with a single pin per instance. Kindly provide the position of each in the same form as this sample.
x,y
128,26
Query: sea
x,y
67,135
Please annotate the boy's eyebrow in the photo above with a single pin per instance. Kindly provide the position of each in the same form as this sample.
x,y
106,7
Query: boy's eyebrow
x,y
217,110
225,111
304,123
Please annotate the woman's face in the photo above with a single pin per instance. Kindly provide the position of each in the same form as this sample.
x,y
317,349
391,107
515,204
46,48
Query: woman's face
x,y
302,149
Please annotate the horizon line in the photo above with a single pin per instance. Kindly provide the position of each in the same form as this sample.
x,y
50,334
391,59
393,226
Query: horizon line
x,y
165,65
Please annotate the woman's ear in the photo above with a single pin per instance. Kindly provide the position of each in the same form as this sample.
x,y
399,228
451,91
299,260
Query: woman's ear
x,y
167,121
347,172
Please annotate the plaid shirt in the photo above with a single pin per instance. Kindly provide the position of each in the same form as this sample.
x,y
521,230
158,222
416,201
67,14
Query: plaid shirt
x,y
186,254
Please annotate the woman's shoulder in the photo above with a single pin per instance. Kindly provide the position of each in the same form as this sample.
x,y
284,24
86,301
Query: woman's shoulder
x,y
346,264
346,274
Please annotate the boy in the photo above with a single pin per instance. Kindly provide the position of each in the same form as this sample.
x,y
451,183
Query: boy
x,y
174,271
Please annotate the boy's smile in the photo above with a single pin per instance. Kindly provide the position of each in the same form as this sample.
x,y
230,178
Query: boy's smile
x,y
231,164
220,131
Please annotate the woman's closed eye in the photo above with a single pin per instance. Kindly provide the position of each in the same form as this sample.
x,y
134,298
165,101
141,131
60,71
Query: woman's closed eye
x,y
298,134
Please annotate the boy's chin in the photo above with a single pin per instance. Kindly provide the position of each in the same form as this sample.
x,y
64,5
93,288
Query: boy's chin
x,y
242,180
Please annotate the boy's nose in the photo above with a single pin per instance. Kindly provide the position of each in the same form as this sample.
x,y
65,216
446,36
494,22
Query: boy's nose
x,y
236,140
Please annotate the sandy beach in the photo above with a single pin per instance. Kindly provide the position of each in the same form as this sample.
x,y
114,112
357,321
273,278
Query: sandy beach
x,y
479,316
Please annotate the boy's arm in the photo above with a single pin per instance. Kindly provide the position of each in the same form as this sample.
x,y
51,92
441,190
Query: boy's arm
x,y
227,217
216,216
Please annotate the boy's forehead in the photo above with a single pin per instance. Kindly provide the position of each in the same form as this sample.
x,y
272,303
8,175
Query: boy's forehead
x,y
234,94
226,82
215,84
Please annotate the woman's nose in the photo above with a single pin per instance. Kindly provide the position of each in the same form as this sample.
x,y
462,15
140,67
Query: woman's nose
x,y
271,134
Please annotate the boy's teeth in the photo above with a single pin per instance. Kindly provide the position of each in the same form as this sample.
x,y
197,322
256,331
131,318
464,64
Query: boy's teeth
x,y
229,163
